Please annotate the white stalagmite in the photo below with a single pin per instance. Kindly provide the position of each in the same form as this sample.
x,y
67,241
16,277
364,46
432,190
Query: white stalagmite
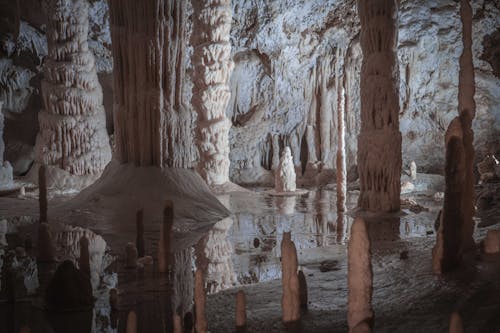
x,y
284,180
72,140
213,67
360,277
413,170
379,140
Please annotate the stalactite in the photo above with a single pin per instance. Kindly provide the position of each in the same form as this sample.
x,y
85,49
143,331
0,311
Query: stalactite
x,y
213,67
152,124
165,237
360,277
290,301
42,193
467,112
379,141
72,134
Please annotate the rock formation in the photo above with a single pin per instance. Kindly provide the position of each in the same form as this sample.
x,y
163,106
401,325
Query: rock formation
x,y
131,322
379,141
212,70
165,237
84,260
302,289
45,247
360,277
284,180
413,170
199,302
113,299
491,243
139,240
6,177
72,140
183,285
130,256
290,300
456,325
341,159
152,123
69,289
241,311
488,167
42,193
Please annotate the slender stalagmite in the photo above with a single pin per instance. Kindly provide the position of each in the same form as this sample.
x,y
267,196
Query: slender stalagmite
x,y
290,301
84,262
177,323
341,163
456,325
199,302
213,67
139,240
42,193
379,140
360,277
72,134
152,122
241,311
131,322
467,112
165,236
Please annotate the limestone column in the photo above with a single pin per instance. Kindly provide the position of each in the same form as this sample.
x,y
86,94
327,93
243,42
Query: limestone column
x,y
152,124
72,140
213,67
379,141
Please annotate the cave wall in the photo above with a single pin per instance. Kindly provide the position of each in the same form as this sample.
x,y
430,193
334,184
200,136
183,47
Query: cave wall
x,y
288,57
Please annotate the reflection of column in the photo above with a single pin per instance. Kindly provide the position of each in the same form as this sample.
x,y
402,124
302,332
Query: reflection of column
x,y
379,140
183,283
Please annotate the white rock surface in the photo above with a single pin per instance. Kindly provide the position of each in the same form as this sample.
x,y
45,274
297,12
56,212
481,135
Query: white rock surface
x,y
284,180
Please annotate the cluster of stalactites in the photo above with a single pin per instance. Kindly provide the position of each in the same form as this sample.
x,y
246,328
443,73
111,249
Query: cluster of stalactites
x,y
72,133
213,67
379,141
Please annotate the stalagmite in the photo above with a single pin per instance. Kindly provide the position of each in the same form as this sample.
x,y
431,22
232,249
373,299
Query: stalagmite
x,y
113,299
456,325
72,141
379,141
130,255
84,261
360,277
165,237
183,285
177,323
6,177
284,180
42,193
447,253
290,301
46,251
213,67
491,243
341,161
302,289
131,322
467,112
413,170
139,241
241,311
199,302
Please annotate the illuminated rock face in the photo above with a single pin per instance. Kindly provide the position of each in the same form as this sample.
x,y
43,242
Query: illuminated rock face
x,y
72,140
213,67
284,180
379,141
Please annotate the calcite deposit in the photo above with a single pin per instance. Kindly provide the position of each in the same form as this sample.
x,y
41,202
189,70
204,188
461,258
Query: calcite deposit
x,y
285,179
72,140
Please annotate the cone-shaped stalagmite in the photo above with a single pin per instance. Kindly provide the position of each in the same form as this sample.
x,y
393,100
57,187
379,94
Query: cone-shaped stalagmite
x,y
72,138
241,311
213,67
199,302
379,140
42,193
360,277
165,236
290,301
139,241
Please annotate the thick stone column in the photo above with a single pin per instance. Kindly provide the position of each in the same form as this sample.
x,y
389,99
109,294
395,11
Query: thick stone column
x,y
152,124
72,137
379,141
213,67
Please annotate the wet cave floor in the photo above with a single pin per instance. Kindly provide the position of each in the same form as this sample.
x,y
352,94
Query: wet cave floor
x,y
243,253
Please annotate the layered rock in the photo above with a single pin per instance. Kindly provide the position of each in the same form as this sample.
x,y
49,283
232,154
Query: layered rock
x,y
213,66
72,140
379,141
